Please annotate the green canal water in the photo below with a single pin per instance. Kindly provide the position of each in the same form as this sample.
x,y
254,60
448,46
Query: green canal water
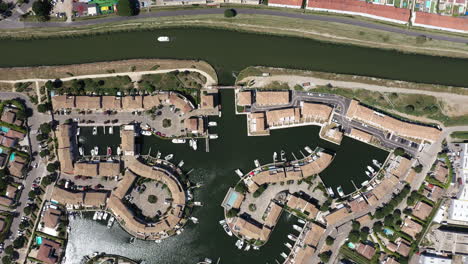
x,y
233,149
230,51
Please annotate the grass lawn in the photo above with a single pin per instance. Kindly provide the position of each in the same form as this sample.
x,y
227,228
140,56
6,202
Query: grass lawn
x,y
110,86
460,135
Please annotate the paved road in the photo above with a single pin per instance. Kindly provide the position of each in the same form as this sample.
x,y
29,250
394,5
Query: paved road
x,y
33,125
8,24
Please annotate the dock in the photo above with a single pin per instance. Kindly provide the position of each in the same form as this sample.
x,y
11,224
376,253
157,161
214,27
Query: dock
x,y
207,144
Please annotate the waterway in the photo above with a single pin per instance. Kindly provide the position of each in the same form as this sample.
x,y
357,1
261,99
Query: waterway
x,y
233,149
229,52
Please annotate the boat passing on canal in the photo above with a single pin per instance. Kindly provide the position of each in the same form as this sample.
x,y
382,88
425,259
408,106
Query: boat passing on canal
x,y
178,141
163,39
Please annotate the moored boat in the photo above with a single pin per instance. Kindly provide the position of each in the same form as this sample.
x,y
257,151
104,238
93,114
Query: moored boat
x,y
111,130
163,39
80,149
178,141
78,131
330,192
376,163
169,157
340,191
283,155
292,237
239,172
96,150
94,131
308,149
119,151
110,222
146,133
288,245
181,163
257,163
370,169
213,136
298,228
227,229
284,255
109,151
212,124
95,216
240,243
247,247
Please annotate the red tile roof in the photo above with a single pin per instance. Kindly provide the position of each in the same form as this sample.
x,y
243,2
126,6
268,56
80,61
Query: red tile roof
x,y
297,3
435,20
362,7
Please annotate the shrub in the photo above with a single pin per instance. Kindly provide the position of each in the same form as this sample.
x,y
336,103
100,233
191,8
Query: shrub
x,y
42,9
152,199
354,236
127,8
232,212
260,190
399,151
418,168
325,256
378,226
230,13
252,207
329,240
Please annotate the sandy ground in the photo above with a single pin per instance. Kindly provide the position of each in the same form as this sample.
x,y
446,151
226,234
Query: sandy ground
x,y
454,104
64,6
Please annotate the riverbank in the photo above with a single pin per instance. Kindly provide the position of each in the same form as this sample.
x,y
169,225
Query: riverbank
x,y
341,29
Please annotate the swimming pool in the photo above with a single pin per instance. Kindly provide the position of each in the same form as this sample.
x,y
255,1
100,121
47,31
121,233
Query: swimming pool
x,y
4,129
351,245
12,156
232,199
38,240
388,232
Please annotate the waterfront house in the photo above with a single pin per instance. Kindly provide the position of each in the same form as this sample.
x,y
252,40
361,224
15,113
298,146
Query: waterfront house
x,y
385,187
422,210
313,236
111,103
282,117
124,185
315,112
358,205
68,198
250,230
286,3
361,8
194,125
49,251
132,102
233,199
257,123
63,102
360,135
244,98
382,121
127,135
265,98
302,255
272,213
65,156
181,103
365,250
315,165
337,216
299,204
109,169
95,199
86,169
207,101
399,167
411,227
50,221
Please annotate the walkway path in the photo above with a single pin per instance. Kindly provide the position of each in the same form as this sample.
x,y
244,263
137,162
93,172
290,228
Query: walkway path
x,y
250,11
210,81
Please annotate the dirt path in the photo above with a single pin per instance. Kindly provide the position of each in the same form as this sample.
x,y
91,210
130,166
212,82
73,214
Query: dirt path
x,y
456,104
133,75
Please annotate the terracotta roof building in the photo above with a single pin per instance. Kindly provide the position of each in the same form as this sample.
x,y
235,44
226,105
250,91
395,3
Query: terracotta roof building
x,y
337,216
95,199
49,251
362,8
244,98
132,102
440,172
66,197
5,201
63,101
302,205
360,135
257,123
282,117
273,213
314,235
207,101
400,167
422,210
17,166
10,191
314,112
51,218
86,169
271,97
88,102
194,125
435,21
391,124
365,250
286,3
111,102
127,135
8,117
317,164
109,169
411,227
15,134
124,185
180,102
250,230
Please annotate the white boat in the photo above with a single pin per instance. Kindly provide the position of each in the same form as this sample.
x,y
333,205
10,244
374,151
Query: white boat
x,y
178,141
292,237
80,149
340,191
95,216
104,129
227,229
240,244
99,216
368,173
247,247
212,124
158,241
104,216
239,173
181,163
309,150
169,157
96,150
145,127
364,183
298,228
222,222
376,163
146,133
68,229
158,156
197,204
330,192
163,39
132,240
110,222
301,221
93,153
213,136
370,169
275,155
288,245
194,220
208,261
284,255
94,131
283,158
111,130
179,231
78,131
256,248
119,151
257,164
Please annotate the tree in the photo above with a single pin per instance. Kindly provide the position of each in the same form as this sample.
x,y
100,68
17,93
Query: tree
x,y
329,240
49,85
45,128
44,153
32,194
325,256
19,242
378,226
230,13
9,250
354,236
364,233
46,180
356,225
399,151
326,205
418,168
42,9
42,108
52,167
232,212
6,260
409,108
241,187
127,8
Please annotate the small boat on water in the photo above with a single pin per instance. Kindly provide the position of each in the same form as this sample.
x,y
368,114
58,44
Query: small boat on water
x,y
104,130
111,130
163,39
308,149
110,222
104,216
301,221
330,192
132,240
96,150
292,237
370,169
207,260
78,131
178,141
181,163
275,156
288,245
298,228
146,133
257,163
340,191
99,216
239,173
213,136
247,247
158,156
222,222
193,144
94,131
240,244
194,220
376,163
169,157
368,173
158,241
284,255
212,124
283,157
256,248
93,153
80,149
109,151
95,216
364,183
119,151
225,227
